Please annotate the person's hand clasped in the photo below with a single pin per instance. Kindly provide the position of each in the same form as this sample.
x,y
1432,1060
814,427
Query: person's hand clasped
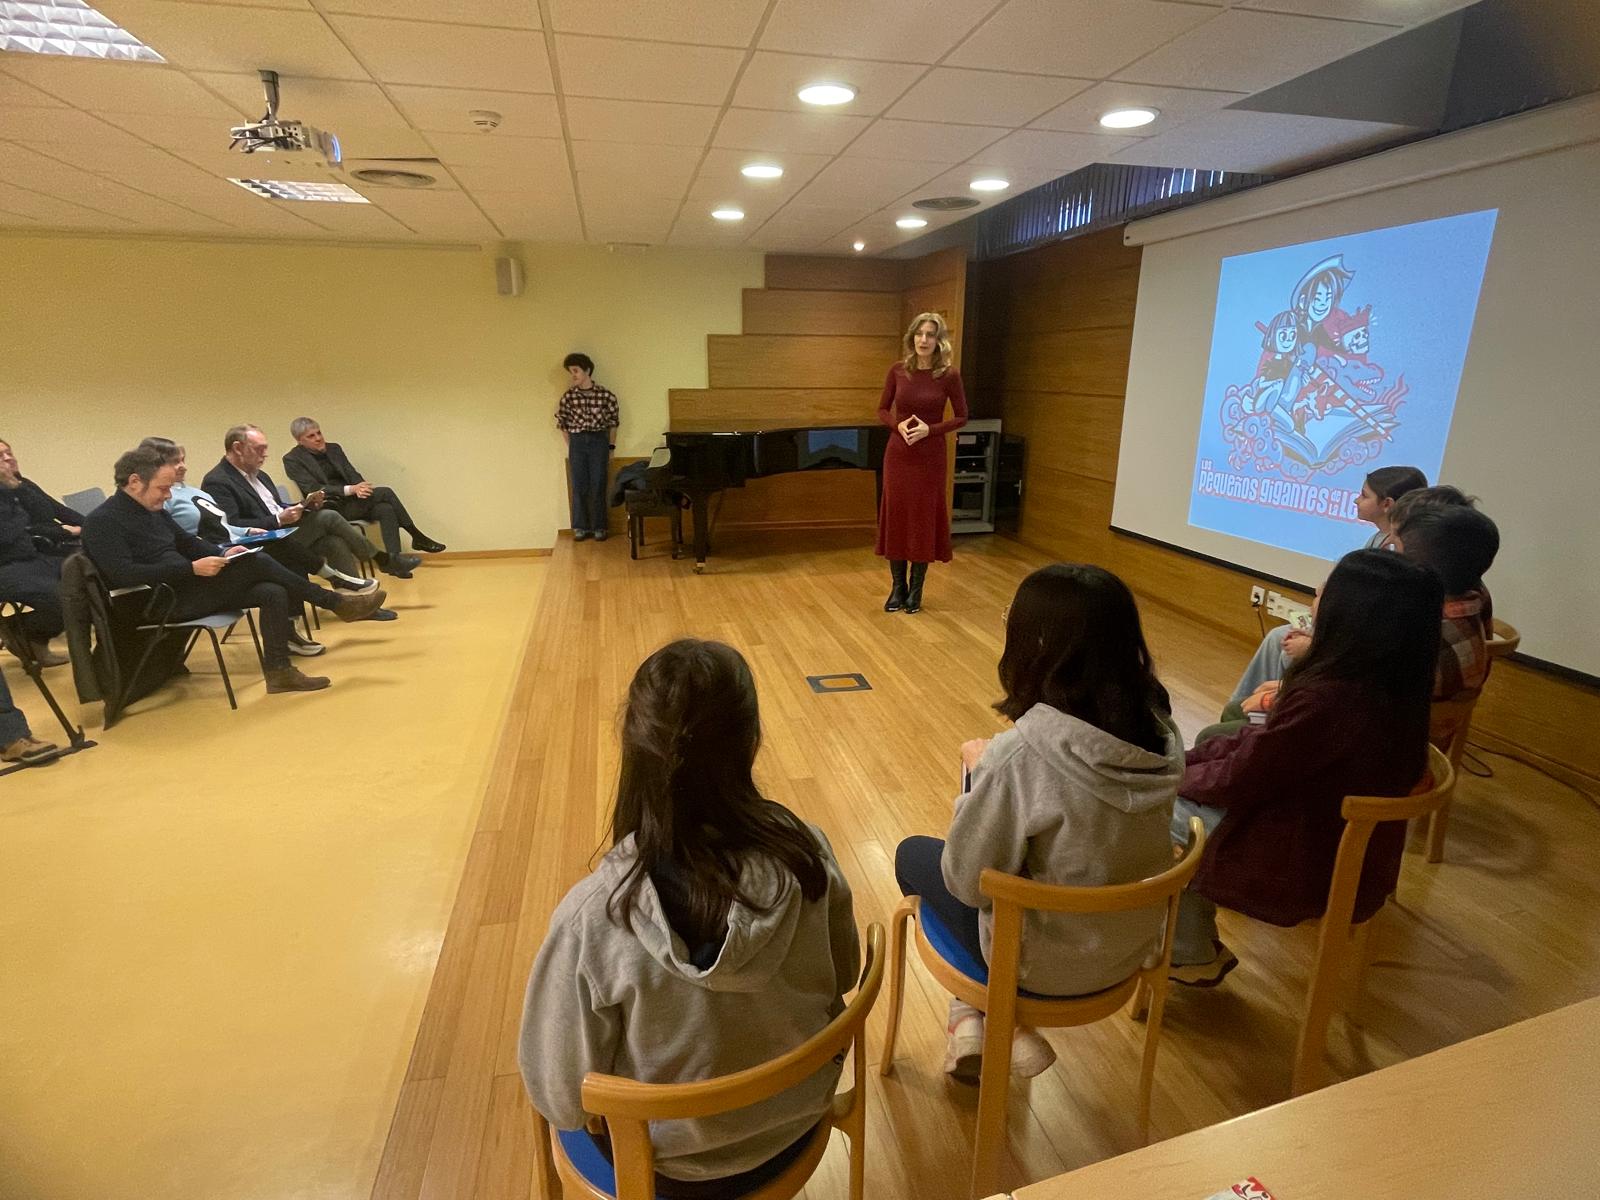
x,y
209,566
1295,643
363,490
913,429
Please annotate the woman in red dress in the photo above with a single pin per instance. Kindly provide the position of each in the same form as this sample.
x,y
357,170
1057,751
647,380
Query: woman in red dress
x,y
914,514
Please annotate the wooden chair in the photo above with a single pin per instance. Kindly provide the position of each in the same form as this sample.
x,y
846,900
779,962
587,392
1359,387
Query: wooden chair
x,y
995,992
1505,641
1456,716
1340,941
628,1107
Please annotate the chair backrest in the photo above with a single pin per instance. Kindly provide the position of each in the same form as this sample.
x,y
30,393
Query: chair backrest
x,y
283,495
1449,722
628,1106
1506,639
85,501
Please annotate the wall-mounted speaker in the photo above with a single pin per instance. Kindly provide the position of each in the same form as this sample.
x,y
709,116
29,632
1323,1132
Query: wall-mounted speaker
x,y
508,276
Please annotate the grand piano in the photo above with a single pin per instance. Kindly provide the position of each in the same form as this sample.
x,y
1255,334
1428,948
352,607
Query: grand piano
x,y
705,460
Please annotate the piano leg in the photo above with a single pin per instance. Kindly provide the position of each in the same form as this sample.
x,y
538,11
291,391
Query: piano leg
x,y
701,501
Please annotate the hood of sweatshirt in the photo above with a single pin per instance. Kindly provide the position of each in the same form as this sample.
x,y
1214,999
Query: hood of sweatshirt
x,y
758,941
1118,773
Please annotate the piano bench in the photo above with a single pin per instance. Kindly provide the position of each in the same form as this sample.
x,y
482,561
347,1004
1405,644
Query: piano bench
x,y
654,504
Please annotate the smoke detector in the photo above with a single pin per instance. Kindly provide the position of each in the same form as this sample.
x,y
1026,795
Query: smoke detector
x,y
484,119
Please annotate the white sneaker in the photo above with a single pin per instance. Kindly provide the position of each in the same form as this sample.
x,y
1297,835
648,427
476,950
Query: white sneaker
x,y
963,1052
1030,1054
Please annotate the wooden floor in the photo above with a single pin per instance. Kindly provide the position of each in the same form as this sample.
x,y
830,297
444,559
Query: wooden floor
x,y
1507,928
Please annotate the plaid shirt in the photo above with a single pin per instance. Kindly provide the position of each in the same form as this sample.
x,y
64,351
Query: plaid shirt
x,y
584,409
1463,647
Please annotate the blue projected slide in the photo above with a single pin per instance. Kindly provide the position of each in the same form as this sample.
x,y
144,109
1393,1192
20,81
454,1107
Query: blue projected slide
x,y
1328,360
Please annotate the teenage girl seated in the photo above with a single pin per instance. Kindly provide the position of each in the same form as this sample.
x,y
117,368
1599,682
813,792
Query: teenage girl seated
x,y
1079,791
1351,719
715,935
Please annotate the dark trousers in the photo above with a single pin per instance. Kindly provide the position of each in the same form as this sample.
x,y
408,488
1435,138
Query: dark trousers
x,y
292,553
917,870
258,582
35,582
13,724
384,507
588,455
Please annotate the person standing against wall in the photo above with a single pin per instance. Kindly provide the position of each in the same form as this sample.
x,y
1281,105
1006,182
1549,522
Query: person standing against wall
x,y
914,513
587,416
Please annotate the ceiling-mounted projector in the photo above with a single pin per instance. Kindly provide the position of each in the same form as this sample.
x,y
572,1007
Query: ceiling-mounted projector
x,y
273,133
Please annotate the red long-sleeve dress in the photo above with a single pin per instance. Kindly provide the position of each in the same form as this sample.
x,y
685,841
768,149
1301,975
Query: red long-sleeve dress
x,y
914,516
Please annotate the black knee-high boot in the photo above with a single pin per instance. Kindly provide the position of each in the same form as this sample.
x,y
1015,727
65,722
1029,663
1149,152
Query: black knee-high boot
x,y
919,573
897,594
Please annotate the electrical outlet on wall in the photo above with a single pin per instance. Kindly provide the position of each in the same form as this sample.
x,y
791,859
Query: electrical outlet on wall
x,y
1292,611
1258,596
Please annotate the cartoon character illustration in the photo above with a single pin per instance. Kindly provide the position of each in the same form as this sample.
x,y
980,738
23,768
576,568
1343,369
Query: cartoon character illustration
x,y
1317,402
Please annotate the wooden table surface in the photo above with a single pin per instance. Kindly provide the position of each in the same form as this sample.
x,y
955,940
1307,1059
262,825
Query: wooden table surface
x,y
1513,1113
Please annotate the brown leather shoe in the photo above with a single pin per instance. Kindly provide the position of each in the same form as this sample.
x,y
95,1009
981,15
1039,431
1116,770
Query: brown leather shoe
x,y
354,607
29,751
290,679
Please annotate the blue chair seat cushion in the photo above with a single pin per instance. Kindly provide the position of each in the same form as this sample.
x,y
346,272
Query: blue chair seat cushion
x,y
950,948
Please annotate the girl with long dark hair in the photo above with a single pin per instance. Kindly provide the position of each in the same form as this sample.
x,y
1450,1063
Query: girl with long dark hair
x,y
1079,791
714,935
1350,719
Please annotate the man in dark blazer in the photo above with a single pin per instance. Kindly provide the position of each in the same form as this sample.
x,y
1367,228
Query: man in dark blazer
x,y
28,576
250,498
55,527
318,464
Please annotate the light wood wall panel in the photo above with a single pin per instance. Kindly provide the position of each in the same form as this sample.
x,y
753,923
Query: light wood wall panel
x,y
1058,327
764,361
735,408
802,500
797,312
830,274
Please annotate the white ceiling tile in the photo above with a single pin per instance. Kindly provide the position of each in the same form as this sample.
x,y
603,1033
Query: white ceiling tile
x,y
330,104
527,167
552,211
508,14
211,37
53,125
594,120
444,110
1241,140
923,141
479,149
1088,39
867,183
1387,12
182,135
620,188
717,235
1061,152
232,4
461,56
911,30
701,22
954,94
719,178
784,132
358,220
97,86
1082,113
662,167
958,181
771,81
1248,51
815,224
16,94
627,70
51,210
435,214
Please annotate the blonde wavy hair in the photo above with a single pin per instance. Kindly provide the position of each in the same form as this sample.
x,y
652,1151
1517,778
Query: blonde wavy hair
x,y
941,357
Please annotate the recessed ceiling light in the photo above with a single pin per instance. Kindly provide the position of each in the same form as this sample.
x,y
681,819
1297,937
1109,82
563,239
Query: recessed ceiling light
x,y
825,94
1129,118
728,214
761,171
283,189
68,27
911,222
858,246
989,184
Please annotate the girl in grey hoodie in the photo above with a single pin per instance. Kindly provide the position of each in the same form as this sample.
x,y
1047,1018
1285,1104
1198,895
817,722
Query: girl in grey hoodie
x,y
716,934
1079,791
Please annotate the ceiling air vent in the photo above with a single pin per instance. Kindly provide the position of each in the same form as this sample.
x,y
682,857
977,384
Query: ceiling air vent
x,y
393,177
945,203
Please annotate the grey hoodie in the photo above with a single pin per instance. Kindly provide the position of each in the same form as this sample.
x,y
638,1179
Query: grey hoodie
x,y
629,1002
1060,801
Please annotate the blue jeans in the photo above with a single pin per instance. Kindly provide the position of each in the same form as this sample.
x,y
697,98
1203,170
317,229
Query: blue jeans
x,y
1269,663
1197,917
13,725
588,455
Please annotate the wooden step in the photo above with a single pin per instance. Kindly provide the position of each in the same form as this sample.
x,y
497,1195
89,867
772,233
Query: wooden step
x,y
694,409
782,311
814,273
798,361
